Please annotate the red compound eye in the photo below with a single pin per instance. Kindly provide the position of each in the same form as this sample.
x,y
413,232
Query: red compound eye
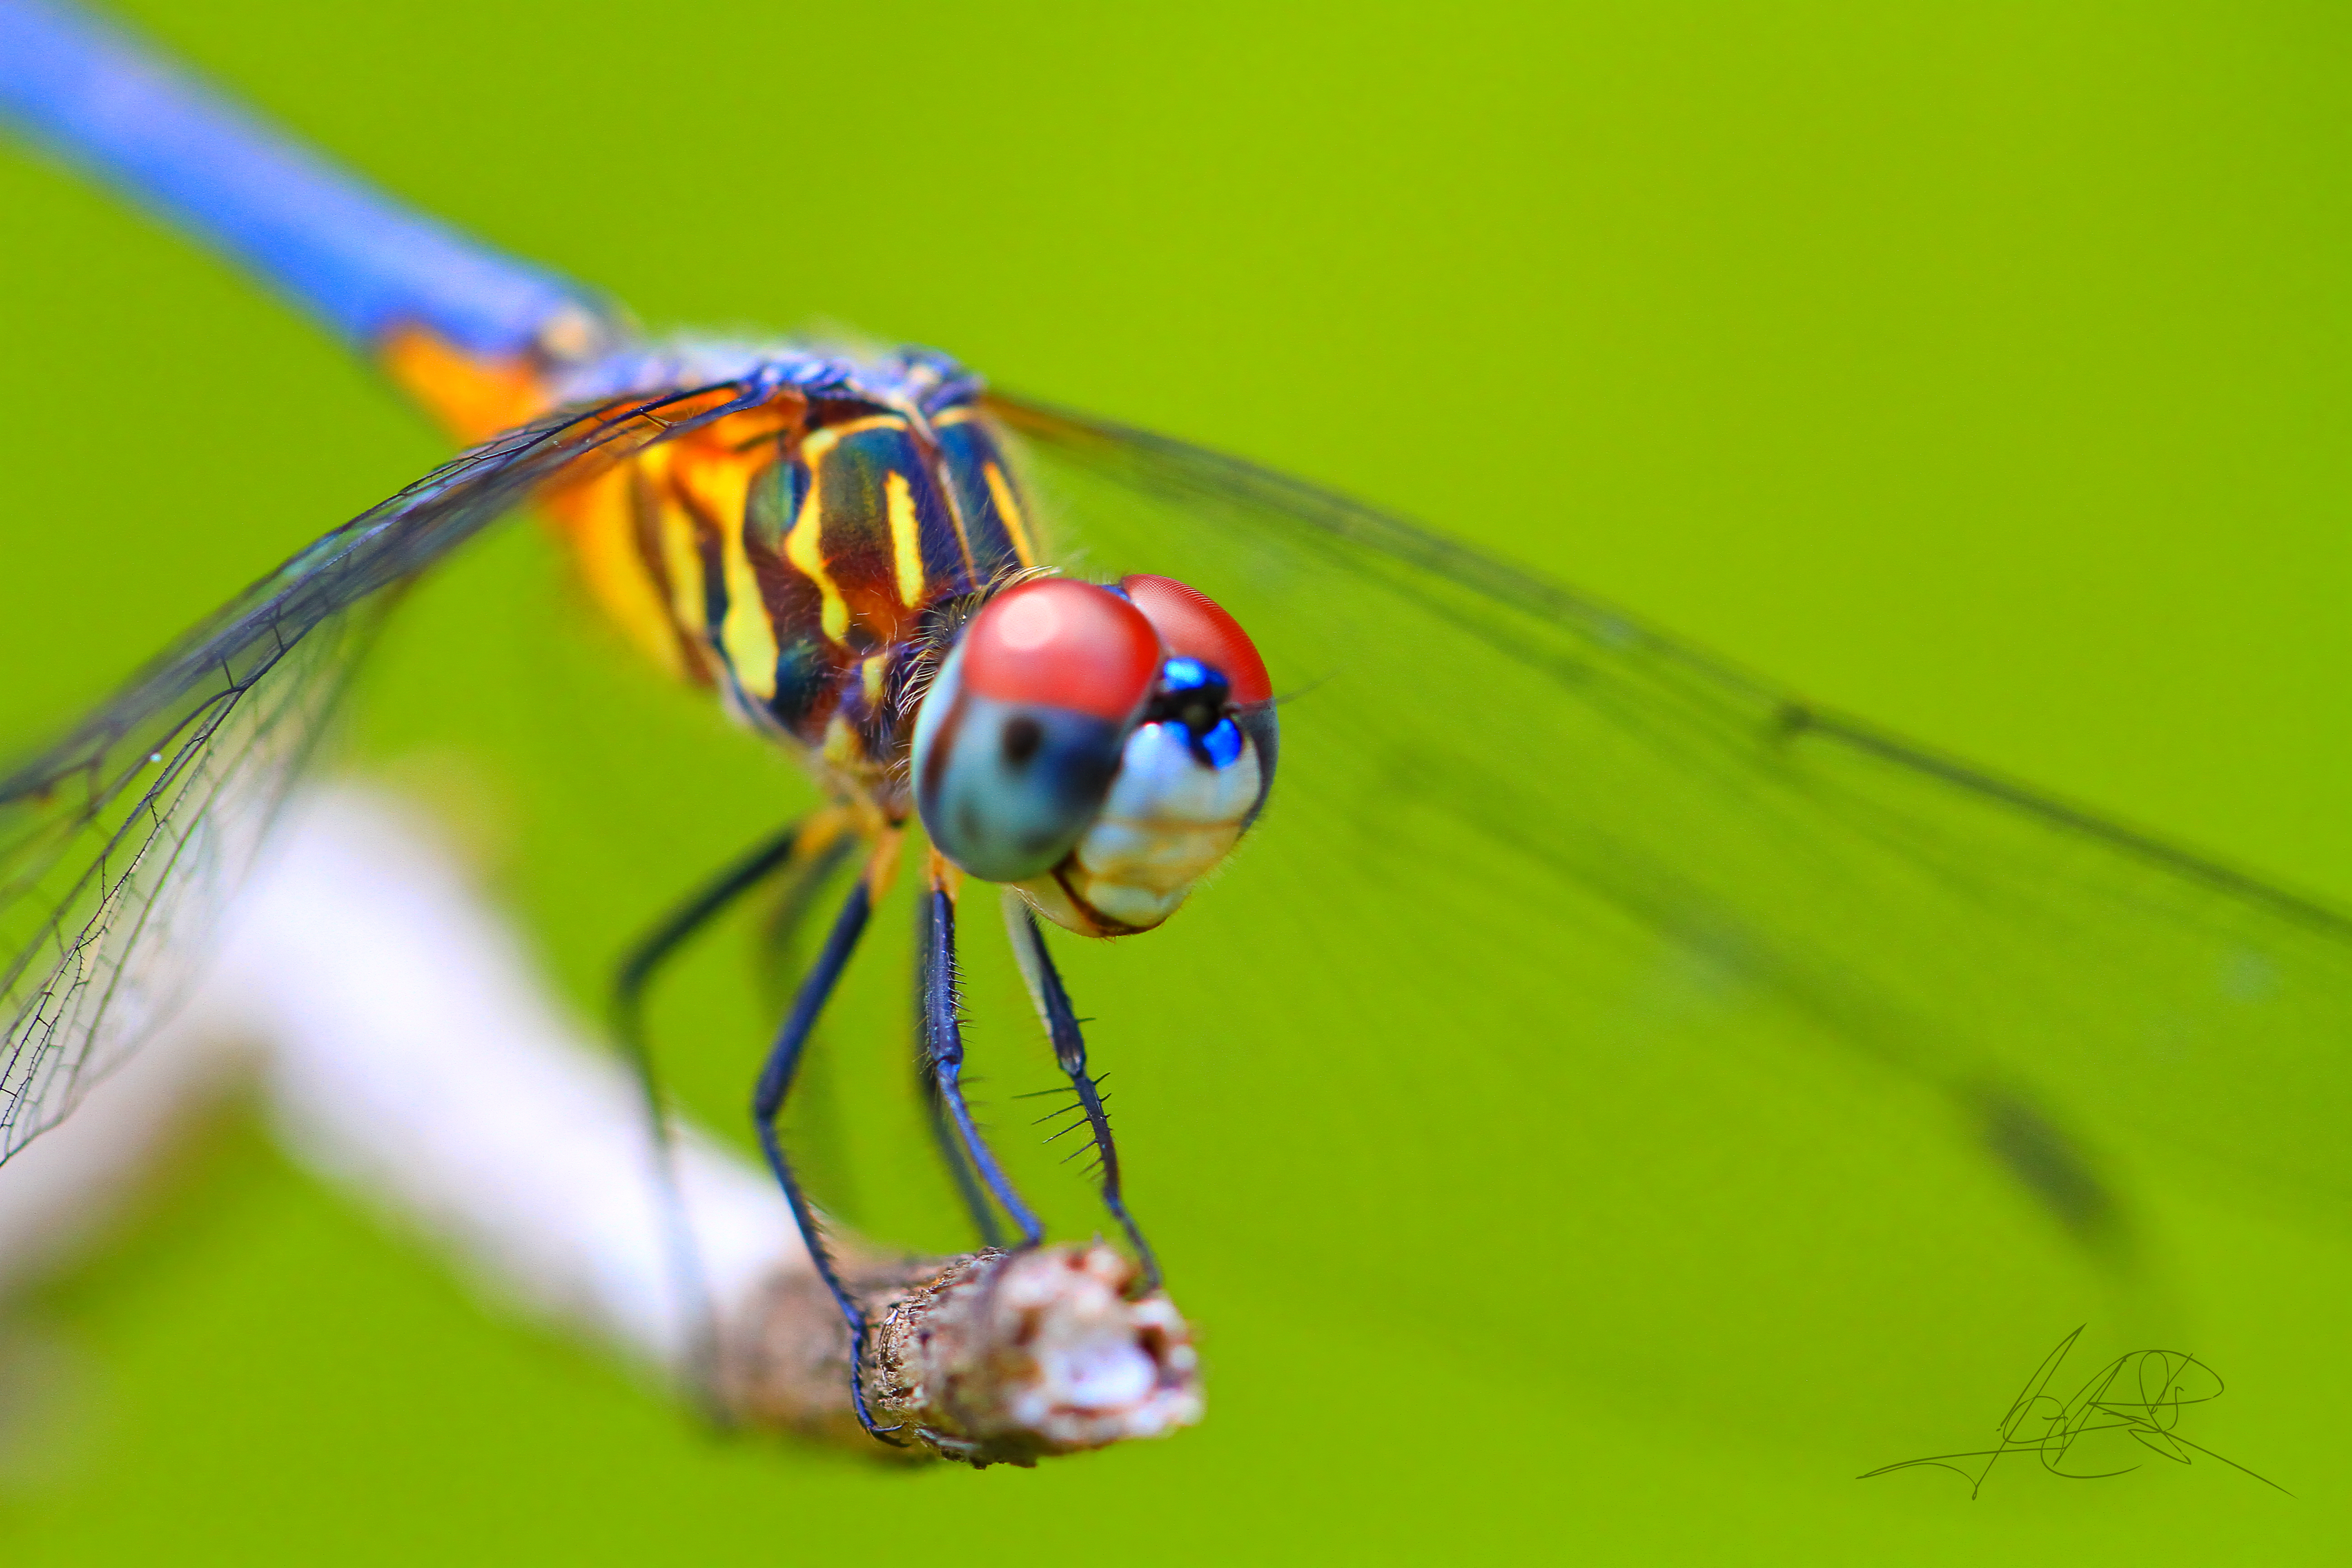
x,y
1195,625
1064,645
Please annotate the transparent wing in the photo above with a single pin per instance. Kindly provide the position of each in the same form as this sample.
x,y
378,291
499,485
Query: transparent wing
x,y
1588,841
119,843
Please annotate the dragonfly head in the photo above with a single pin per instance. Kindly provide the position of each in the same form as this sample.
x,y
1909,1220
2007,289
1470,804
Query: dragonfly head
x,y
1101,749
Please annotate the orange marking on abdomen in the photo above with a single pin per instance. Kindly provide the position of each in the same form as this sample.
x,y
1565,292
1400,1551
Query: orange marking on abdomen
x,y
473,399
629,527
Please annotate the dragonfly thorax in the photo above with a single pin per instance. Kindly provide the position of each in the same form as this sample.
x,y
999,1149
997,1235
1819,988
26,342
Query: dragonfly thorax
x,y
791,552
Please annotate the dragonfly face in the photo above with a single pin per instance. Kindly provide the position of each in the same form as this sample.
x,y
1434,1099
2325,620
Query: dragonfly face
x,y
1101,748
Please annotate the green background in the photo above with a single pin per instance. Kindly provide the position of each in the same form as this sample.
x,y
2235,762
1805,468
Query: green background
x,y
1979,369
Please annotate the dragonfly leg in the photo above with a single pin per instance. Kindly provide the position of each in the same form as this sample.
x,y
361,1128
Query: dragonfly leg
x,y
927,1083
776,1081
943,1043
825,844
637,972
814,844
1061,1020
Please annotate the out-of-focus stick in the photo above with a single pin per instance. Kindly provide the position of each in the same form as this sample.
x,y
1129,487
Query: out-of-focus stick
x,y
59,1193
411,1054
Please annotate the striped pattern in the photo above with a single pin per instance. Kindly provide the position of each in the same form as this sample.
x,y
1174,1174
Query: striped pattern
x,y
786,554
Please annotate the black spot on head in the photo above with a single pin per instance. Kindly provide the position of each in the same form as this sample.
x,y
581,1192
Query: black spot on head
x,y
1021,737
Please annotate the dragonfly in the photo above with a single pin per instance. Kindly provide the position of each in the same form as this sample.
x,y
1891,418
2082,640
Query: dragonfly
x,y
1008,640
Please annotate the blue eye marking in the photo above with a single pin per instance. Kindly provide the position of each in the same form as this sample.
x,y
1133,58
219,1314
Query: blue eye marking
x,y
1192,694
1182,674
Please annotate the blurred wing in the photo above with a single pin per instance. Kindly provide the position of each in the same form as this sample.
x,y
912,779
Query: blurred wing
x,y
119,844
1584,836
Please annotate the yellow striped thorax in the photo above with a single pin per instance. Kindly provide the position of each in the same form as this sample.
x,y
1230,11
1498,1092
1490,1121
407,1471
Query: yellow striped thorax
x,y
796,554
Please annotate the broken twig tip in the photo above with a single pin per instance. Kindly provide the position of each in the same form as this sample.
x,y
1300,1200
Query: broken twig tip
x,y
991,1358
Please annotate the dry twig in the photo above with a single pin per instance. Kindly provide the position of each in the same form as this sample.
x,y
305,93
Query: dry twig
x,y
992,1358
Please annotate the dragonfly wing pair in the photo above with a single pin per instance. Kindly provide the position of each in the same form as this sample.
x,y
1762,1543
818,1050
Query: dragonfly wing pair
x,y
1509,815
